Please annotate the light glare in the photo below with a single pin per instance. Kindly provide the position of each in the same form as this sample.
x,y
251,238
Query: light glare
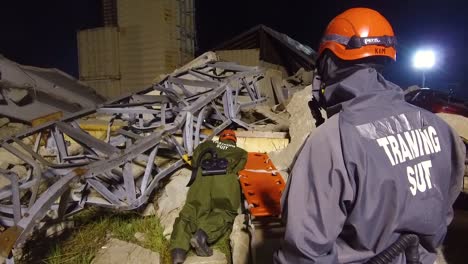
x,y
424,59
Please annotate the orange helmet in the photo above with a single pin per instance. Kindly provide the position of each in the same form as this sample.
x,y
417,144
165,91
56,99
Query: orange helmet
x,y
228,135
358,33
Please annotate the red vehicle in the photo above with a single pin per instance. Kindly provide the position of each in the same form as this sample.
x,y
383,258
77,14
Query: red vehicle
x,y
437,102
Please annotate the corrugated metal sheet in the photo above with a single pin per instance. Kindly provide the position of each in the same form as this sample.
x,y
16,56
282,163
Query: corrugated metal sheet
x,y
108,88
98,52
248,57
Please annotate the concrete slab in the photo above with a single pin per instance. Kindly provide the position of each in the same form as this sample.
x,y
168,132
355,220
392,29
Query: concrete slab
x,y
457,122
217,258
301,125
121,252
240,241
172,199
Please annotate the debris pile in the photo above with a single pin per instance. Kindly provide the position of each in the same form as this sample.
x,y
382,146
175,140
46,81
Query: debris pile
x,y
9,128
117,154
30,93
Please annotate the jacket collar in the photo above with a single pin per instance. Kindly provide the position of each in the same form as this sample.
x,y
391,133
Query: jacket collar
x,y
364,84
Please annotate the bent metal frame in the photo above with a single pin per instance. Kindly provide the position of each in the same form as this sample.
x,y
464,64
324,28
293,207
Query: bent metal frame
x,y
161,124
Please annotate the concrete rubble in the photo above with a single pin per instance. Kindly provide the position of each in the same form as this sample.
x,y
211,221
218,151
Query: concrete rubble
x,y
286,111
8,158
29,93
140,237
216,258
457,122
121,252
11,128
172,199
301,124
4,121
240,241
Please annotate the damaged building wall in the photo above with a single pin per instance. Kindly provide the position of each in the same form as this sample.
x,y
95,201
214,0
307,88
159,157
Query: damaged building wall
x,y
248,57
99,59
144,42
151,38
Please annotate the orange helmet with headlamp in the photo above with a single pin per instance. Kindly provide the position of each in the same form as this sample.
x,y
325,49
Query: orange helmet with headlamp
x,y
359,33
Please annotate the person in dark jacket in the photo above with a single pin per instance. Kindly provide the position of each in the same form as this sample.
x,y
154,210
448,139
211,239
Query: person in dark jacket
x,y
212,200
378,168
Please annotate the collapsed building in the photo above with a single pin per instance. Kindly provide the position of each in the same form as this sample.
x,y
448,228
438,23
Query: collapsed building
x,y
115,154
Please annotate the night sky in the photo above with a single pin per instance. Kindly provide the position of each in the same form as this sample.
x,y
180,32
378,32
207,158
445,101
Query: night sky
x,y
43,33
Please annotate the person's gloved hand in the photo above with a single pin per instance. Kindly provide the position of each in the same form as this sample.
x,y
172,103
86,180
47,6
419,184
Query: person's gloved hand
x,y
187,159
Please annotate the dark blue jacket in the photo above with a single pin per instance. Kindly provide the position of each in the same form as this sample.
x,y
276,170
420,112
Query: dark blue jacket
x,y
379,168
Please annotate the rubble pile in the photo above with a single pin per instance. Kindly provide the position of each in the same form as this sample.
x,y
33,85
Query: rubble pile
x,y
457,122
285,110
171,199
9,128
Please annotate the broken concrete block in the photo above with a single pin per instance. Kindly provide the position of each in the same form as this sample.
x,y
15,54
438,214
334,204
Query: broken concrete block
x,y
58,229
9,158
16,95
261,141
217,258
4,181
172,200
75,149
140,237
281,91
46,151
121,252
137,170
4,121
149,210
21,171
267,87
301,125
440,256
18,126
12,129
240,241
301,77
457,122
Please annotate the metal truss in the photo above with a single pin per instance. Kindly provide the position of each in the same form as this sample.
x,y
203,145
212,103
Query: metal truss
x,y
157,127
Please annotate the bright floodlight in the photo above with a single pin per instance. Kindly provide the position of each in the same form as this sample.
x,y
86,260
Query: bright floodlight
x,y
424,59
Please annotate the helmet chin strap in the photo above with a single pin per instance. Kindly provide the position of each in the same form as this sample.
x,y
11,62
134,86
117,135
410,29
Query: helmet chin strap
x,y
317,90
317,103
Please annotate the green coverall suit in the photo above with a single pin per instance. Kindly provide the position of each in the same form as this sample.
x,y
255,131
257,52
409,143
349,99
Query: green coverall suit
x,y
212,201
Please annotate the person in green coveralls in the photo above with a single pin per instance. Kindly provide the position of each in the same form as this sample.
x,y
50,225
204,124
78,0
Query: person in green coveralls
x,y
212,200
